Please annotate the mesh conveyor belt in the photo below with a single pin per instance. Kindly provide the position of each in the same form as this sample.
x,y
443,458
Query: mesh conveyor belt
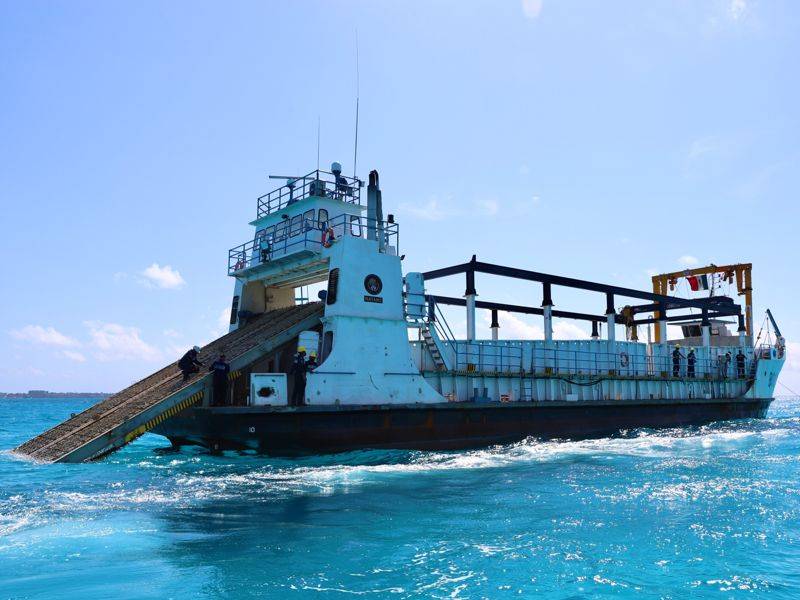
x,y
115,411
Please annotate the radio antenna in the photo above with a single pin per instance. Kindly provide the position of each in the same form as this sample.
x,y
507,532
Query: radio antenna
x,y
319,120
358,85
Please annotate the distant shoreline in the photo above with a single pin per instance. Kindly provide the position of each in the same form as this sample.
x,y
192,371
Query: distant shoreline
x,y
42,394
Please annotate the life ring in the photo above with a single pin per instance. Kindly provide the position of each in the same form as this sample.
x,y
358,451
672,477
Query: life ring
x,y
328,237
624,359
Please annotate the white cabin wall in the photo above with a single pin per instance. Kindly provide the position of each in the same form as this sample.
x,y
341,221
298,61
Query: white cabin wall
x,y
371,360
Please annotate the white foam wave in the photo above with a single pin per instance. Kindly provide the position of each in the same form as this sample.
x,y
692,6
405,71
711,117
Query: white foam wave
x,y
185,480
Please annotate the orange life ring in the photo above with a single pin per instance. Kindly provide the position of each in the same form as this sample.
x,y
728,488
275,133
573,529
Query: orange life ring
x,y
328,237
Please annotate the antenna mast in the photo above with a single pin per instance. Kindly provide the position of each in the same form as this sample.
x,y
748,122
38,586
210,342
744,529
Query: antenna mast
x,y
358,85
319,120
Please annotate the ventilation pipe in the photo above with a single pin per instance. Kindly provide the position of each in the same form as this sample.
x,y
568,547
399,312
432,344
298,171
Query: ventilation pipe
x,y
372,205
375,211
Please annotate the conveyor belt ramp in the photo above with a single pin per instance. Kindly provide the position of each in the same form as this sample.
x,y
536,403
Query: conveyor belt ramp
x,y
121,418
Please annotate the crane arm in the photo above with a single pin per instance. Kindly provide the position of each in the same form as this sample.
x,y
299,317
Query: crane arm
x,y
774,324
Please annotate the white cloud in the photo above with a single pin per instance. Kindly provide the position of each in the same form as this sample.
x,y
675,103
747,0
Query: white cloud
x,y
47,336
531,8
687,260
432,210
171,333
704,146
489,207
163,277
72,355
567,330
737,9
513,327
112,341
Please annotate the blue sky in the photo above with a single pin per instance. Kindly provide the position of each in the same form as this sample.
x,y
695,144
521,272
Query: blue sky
x,y
603,140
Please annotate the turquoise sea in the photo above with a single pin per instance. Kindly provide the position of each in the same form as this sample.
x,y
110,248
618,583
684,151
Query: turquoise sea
x,y
711,512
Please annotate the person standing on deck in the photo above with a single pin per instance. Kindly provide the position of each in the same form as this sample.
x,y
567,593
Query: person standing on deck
x,y
220,369
676,361
740,359
298,371
189,363
266,249
727,364
691,359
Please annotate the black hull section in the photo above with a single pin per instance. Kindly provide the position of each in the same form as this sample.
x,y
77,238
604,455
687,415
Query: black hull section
x,y
317,430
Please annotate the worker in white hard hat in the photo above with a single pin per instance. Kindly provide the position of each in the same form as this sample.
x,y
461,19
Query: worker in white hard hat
x,y
298,371
189,364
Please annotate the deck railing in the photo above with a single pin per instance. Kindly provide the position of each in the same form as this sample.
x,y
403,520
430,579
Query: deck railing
x,y
317,183
307,235
491,357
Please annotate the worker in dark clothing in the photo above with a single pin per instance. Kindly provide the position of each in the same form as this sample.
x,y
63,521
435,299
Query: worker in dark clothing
x,y
220,369
676,361
298,371
740,364
691,359
189,363
312,361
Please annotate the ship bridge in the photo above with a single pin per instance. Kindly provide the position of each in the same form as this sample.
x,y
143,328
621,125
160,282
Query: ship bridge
x,y
291,226
295,227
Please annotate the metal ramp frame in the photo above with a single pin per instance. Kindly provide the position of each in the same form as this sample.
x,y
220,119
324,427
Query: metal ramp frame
x,y
121,418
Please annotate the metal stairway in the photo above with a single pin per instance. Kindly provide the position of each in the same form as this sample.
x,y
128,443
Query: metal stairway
x,y
433,348
121,418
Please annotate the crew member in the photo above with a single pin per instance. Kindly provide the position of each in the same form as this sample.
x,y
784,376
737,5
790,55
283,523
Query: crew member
x,y
299,369
266,249
312,361
676,361
727,364
740,364
189,363
691,359
220,369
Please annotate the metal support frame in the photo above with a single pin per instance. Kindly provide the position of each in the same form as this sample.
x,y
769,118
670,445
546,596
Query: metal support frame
x,y
742,272
658,303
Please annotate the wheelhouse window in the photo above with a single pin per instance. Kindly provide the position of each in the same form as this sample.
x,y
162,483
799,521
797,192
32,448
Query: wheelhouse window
x,y
280,230
297,225
355,226
323,218
308,220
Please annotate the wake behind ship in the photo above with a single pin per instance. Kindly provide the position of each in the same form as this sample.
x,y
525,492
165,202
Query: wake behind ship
x,y
373,388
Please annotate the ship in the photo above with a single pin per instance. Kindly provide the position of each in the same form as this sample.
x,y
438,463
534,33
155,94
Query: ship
x,y
391,374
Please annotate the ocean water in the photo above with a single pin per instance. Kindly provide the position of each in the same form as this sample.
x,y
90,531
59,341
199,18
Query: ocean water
x,y
684,513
